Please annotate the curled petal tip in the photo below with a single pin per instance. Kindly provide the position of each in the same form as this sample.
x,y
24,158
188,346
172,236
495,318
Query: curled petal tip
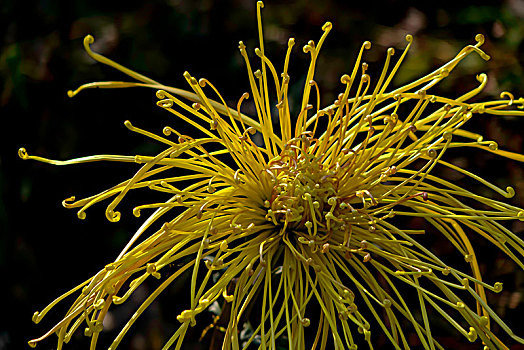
x,y
482,77
444,72
88,332
165,103
66,202
228,298
113,216
327,26
35,317
309,47
479,38
22,153
161,94
510,192
305,322
472,334
509,95
167,131
89,39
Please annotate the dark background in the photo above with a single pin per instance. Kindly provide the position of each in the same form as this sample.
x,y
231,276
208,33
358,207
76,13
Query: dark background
x,y
45,250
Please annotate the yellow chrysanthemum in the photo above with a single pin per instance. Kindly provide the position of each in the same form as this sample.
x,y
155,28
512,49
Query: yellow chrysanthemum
x,y
296,211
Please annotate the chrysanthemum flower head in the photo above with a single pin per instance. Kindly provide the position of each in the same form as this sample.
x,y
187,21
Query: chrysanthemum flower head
x,y
297,216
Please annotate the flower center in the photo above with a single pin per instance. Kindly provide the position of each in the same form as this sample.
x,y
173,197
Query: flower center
x,y
304,196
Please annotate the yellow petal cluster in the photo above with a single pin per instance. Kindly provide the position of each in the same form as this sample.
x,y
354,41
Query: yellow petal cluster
x,y
302,212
